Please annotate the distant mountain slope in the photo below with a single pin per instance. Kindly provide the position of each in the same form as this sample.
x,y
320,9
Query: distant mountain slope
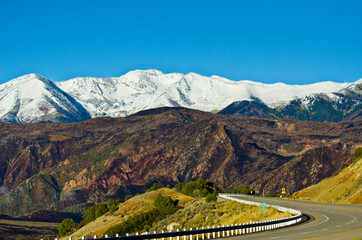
x,y
32,98
53,166
345,187
345,104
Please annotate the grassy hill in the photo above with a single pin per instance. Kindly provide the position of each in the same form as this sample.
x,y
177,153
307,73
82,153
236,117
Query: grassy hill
x,y
195,212
344,187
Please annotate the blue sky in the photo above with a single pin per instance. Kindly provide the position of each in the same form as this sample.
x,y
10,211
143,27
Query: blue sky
x,y
295,42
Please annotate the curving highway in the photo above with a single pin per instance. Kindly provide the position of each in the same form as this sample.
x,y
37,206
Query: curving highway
x,y
324,221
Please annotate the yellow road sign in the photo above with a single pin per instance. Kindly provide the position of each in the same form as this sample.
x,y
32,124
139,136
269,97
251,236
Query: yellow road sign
x,y
283,191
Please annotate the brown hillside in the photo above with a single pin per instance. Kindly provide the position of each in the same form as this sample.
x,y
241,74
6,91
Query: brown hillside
x,y
53,166
344,187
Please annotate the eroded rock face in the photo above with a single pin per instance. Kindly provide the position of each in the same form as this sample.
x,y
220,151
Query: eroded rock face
x,y
52,166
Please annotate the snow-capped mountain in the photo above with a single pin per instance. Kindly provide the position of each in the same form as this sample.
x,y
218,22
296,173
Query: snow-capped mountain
x,y
32,98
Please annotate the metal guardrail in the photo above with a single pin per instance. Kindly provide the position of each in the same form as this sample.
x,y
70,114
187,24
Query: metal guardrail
x,y
223,231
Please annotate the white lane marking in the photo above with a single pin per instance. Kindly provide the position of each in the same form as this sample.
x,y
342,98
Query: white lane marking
x,y
274,237
338,226
327,218
325,229
305,233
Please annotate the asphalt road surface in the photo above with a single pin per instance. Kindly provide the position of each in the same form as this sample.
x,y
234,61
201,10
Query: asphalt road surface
x,y
326,221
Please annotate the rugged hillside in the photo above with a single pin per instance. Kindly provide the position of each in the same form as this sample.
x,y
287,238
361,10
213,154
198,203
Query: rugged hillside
x,y
33,98
52,166
344,187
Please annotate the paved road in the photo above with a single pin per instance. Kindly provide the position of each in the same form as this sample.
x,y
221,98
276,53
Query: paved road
x,y
328,221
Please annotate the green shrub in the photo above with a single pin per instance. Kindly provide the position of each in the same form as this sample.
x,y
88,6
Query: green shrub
x,y
358,154
77,208
98,210
211,198
179,186
67,226
200,183
189,188
168,186
154,187
163,206
101,208
89,215
200,188
112,204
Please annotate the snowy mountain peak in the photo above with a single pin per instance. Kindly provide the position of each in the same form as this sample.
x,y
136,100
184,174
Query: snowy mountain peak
x,y
32,97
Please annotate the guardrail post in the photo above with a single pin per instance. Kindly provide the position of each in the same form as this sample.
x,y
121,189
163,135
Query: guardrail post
x,y
163,237
208,234
213,233
228,232
95,237
184,235
191,234
203,234
154,233
178,237
197,235
223,232
218,233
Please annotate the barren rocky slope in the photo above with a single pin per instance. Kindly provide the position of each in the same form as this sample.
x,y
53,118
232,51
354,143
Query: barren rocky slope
x,y
53,166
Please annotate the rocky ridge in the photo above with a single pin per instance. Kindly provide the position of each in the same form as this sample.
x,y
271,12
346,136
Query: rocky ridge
x,y
53,166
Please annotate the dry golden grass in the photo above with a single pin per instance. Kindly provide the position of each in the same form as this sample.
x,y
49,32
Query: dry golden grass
x,y
345,187
133,206
196,213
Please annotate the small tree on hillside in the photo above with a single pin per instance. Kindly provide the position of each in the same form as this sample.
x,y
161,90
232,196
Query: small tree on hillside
x,y
67,226
154,187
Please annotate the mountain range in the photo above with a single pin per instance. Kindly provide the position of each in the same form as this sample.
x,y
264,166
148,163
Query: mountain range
x,y
33,98
53,166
